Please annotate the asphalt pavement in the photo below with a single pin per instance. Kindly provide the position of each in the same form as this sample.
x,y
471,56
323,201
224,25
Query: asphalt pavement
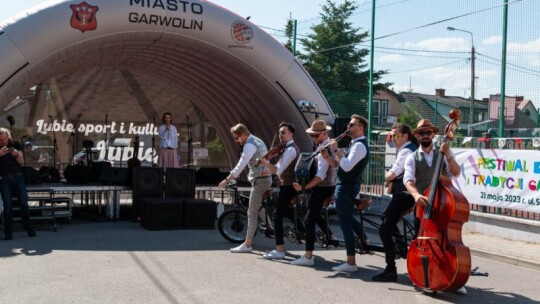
x,y
120,262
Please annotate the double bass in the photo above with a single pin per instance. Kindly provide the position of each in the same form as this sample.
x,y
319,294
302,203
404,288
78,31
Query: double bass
x,y
437,259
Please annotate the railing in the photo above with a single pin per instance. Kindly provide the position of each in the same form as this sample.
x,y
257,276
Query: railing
x,y
373,178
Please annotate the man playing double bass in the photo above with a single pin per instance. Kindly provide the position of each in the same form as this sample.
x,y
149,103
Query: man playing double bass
x,y
419,165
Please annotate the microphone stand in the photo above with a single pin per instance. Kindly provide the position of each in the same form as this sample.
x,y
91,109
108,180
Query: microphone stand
x,y
55,145
153,140
189,141
73,136
106,137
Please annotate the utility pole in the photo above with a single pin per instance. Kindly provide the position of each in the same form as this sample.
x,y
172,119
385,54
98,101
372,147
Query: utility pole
x,y
471,114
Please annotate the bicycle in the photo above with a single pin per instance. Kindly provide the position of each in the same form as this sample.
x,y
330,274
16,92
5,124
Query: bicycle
x,y
370,221
232,223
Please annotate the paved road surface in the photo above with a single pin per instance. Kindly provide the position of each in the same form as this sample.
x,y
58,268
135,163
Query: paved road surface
x,y
119,262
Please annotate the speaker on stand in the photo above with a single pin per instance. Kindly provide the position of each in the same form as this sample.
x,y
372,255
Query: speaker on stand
x,y
179,183
147,183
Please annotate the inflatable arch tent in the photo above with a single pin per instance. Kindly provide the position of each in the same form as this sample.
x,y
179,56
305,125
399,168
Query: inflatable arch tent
x,y
135,59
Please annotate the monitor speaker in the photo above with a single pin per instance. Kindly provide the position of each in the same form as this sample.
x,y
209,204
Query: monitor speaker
x,y
147,183
199,213
113,176
162,214
209,176
179,183
77,174
96,168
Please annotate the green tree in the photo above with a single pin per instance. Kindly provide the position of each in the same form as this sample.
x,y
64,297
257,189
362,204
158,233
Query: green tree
x,y
332,57
410,116
289,32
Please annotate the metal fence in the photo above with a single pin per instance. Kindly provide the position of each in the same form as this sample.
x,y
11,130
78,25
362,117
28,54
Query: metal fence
x,y
373,178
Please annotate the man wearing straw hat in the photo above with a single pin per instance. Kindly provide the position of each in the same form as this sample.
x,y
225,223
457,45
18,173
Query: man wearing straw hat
x,y
323,185
419,165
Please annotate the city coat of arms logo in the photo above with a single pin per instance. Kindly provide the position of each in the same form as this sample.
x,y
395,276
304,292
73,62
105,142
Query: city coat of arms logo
x,y
84,16
241,32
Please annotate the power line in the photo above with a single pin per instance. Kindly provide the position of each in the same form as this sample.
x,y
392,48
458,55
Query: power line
x,y
427,67
510,64
444,20
453,74
420,55
513,69
418,50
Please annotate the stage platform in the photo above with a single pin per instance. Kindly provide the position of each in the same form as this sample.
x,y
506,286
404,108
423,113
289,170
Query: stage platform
x,y
108,200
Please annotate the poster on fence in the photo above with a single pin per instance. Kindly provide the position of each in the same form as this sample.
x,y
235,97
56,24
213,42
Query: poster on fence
x,y
500,178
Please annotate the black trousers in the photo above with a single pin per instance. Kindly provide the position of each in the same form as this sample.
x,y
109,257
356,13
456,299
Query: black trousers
x,y
397,206
286,193
313,215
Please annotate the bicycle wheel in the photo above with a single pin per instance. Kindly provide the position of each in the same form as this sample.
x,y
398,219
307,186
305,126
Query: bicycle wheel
x,y
232,224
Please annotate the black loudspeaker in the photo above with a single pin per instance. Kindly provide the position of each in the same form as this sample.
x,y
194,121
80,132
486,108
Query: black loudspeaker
x,y
147,183
209,176
180,183
199,213
95,170
31,175
162,214
77,174
114,176
49,174
340,126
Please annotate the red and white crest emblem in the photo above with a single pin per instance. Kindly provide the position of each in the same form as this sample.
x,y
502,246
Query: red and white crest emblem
x,y
241,32
84,16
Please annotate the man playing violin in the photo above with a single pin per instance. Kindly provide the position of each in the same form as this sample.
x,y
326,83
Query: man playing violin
x,y
259,177
323,186
288,154
419,168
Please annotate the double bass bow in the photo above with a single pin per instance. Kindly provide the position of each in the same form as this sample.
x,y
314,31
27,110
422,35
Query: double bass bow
x,y
437,259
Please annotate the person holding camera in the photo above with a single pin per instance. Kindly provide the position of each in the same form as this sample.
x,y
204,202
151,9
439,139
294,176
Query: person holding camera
x,y
12,182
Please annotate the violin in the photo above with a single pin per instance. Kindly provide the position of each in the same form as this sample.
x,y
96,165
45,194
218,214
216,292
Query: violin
x,y
275,151
437,259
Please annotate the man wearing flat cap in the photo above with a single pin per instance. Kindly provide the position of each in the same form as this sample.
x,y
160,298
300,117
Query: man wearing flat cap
x,y
420,167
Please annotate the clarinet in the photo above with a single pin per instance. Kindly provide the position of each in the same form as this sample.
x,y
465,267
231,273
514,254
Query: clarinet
x,y
319,150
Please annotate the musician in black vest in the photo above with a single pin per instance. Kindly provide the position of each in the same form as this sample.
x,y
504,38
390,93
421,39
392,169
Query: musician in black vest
x,y
284,169
405,142
11,183
419,166
322,184
349,176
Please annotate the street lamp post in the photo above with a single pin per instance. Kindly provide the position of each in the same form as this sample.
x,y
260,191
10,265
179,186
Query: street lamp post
x,y
471,115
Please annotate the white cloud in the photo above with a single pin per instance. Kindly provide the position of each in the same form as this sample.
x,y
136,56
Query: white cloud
x,y
391,58
440,44
526,47
493,40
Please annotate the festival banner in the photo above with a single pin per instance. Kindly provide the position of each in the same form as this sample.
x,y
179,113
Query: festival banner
x,y
500,178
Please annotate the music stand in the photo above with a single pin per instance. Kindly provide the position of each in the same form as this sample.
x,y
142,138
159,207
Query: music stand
x,y
122,143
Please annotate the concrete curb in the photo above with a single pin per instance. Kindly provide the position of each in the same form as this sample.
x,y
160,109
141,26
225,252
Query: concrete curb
x,y
505,259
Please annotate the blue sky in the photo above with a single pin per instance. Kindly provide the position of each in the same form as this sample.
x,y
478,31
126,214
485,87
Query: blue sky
x,y
412,42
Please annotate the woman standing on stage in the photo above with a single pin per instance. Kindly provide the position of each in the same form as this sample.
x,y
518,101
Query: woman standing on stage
x,y
168,135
